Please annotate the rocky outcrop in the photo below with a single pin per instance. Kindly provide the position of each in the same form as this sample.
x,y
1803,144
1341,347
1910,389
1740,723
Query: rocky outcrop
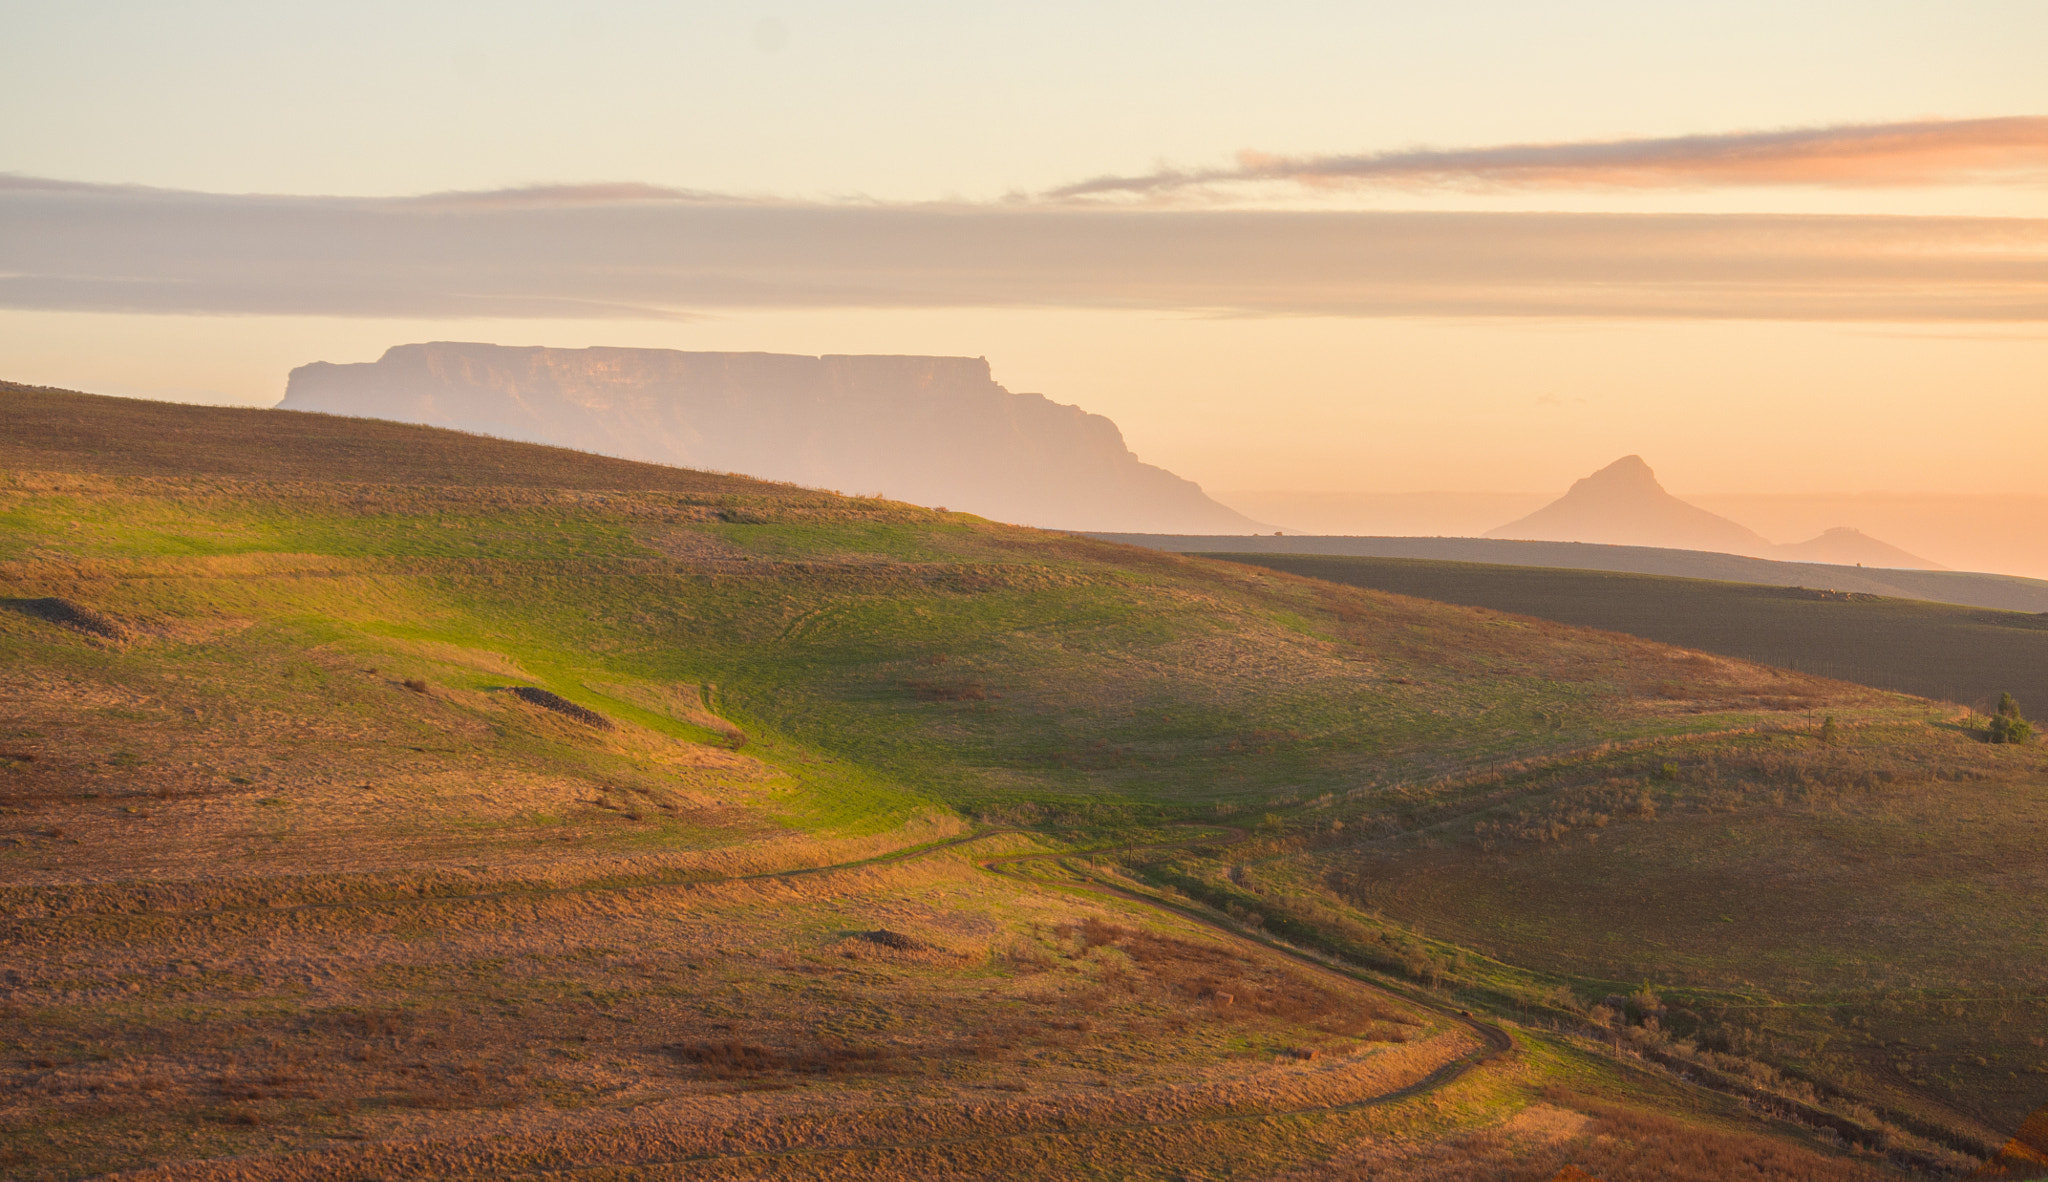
x,y
930,430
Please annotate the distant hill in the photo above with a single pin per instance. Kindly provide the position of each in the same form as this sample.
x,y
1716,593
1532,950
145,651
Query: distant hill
x,y
1972,589
1853,547
2005,532
930,430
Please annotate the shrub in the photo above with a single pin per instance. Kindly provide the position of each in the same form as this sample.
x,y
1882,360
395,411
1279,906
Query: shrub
x,y
2007,726
1830,733
2006,729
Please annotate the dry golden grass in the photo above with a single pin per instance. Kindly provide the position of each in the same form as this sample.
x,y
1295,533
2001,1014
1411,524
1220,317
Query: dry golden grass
x,y
491,1034
1569,1136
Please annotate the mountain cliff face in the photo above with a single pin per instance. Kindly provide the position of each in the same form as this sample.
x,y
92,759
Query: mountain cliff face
x,y
1623,505
930,430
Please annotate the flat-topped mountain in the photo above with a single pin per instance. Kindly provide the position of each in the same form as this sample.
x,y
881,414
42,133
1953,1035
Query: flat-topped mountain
x,y
1623,505
930,430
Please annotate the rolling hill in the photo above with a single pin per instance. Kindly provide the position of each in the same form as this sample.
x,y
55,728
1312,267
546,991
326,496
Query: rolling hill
x,y
384,801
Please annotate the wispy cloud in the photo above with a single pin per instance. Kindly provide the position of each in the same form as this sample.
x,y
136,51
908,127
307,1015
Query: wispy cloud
x,y
1860,155
542,196
636,252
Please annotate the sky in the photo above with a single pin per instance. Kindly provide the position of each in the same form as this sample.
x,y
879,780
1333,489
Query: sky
x,y
1330,248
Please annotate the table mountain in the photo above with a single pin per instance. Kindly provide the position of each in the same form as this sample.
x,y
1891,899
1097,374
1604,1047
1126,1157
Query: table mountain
x,y
930,430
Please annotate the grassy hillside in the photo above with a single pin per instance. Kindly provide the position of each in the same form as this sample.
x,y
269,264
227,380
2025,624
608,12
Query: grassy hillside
x,y
378,801
1958,654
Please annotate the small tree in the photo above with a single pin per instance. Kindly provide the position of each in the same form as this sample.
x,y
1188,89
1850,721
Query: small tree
x,y
2007,726
1830,734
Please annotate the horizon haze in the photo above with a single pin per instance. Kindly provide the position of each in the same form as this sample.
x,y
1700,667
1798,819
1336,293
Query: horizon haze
x,y
1355,250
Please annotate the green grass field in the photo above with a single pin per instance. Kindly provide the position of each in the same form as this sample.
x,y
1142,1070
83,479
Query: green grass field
x,y
1956,654
290,877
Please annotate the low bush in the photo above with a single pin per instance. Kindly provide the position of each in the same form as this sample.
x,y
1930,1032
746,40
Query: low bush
x,y
562,706
2009,730
58,610
2006,725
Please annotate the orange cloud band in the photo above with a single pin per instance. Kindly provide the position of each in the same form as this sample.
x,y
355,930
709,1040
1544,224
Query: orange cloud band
x,y
642,253
1863,155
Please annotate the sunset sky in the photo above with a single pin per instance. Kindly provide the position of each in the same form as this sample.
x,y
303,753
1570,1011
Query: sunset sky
x,y
1317,247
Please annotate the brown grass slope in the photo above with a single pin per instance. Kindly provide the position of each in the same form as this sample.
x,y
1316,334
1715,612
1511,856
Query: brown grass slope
x,y
292,885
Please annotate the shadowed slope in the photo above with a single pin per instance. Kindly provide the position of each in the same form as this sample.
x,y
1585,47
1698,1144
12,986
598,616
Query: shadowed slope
x,y
1950,653
2001,592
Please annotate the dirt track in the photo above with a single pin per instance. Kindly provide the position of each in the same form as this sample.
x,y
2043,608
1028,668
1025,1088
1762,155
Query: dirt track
x,y
1494,1041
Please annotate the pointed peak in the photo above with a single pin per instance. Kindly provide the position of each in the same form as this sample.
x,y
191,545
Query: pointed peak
x,y
1623,505
1626,470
